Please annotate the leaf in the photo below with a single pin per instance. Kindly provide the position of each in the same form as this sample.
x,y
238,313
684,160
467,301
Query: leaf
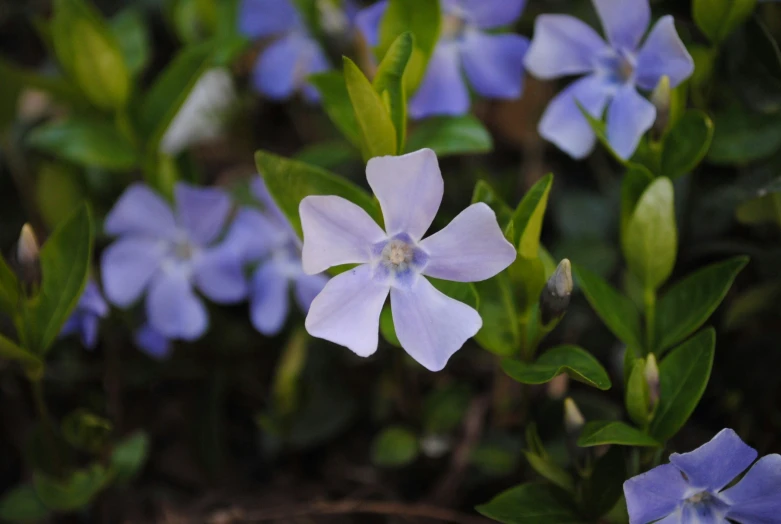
x,y
550,471
88,143
601,432
65,263
719,18
689,303
483,192
528,216
329,154
285,386
387,329
9,289
337,104
458,135
86,431
72,493
683,376
616,311
21,504
603,489
651,240
290,181
576,362
129,456
389,84
531,504
394,447
378,135
500,333
130,30
636,180
686,144
637,396
60,88
741,136
444,408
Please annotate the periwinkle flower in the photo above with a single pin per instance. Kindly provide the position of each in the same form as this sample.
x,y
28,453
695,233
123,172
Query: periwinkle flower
x,y
430,325
84,320
152,342
493,63
564,46
166,253
690,489
284,66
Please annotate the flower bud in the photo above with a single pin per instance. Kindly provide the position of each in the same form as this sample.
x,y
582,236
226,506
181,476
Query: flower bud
x,y
28,265
661,98
573,418
557,388
555,297
651,373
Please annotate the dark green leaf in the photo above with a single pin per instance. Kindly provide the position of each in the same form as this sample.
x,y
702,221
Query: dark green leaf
x,y
500,333
337,104
605,486
387,329
447,136
378,135
59,88
718,18
129,456
86,431
11,351
576,362
600,432
21,504
741,136
394,447
131,32
329,155
389,84
72,493
549,470
531,504
444,408
686,144
9,289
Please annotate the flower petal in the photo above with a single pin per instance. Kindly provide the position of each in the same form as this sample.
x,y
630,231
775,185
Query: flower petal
x,y
471,248
89,331
262,18
92,300
755,499
488,14
251,235
655,493
430,325
564,124
127,266
173,309
347,311
442,91
270,207
219,274
624,21
307,287
201,211
710,513
368,22
663,53
285,64
494,63
629,116
409,188
336,232
269,299
141,211
152,342
716,463
562,46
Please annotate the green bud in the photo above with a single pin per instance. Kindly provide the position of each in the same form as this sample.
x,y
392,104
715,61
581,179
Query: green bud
x,y
27,258
573,418
555,297
661,98
651,374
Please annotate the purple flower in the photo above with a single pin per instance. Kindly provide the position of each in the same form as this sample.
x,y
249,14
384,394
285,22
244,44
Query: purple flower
x,y
85,318
152,342
284,66
166,254
430,325
690,490
564,46
493,63
266,238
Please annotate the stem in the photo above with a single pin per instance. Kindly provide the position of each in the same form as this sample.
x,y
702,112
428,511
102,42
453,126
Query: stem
x,y
39,399
527,351
649,298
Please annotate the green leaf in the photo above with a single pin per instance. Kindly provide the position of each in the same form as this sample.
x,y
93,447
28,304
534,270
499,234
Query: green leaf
x,y
337,104
637,397
600,129
458,135
378,135
60,88
528,216
651,239
11,351
686,144
719,18
9,289
88,143
616,311
129,27
531,504
578,363
387,329
285,386
86,431
500,333
761,210
290,181
741,136
21,504
73,493
683,376
483,192
550,471
329,154
444,408
604,487
689,303
389,84
129,457
601,432
65,263
394,447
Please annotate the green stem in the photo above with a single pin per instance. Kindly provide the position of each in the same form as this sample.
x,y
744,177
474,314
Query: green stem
x,y
47,424
527,351
649,298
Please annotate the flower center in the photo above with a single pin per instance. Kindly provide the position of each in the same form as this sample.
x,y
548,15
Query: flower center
x,y
398,259
619,66
397,253
183,250
453,26
699,497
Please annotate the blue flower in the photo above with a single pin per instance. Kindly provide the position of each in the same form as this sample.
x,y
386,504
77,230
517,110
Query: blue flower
x,y
267,239
166,254
493,63
284,66
564,46
152,342
690,490
85,318
430,325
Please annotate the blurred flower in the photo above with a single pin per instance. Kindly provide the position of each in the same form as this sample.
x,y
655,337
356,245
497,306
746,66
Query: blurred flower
x,y
268,239
493,63
152,342
689,489
85,318
167,253
564,46
202,116
283,67
430,325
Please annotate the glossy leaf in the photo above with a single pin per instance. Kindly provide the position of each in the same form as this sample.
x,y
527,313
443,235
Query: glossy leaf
x,y
528,216
532,504
457,135
336,102
601,432
72,493
578,363
389,84
378,135
637,394
719,18
686,144
394,447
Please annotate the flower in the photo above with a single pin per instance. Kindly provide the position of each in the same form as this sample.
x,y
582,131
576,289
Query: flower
x,y
285,64
152,342
493,63
268,239
690,489
85,318
563,46
430,325
166,254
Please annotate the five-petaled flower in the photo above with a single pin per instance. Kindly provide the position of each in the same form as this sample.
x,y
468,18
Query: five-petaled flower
x,y
493,63
430,325
85,318
563,46
690,490
168,254
284,66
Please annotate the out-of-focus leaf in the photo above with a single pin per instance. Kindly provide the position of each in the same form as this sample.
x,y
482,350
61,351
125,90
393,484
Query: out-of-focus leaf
x,y
601,432
129,27
58,191
86,431
389,84
394,447
760,210
458,135
378,134
329,155
719,18
59,88
483,192
576,362
11,351
9,289
532,504
72,493
337,104
129,456
754,66
286,377
742,136
21,504
686,144
752,304
604,487
444,408
637,395
550,471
